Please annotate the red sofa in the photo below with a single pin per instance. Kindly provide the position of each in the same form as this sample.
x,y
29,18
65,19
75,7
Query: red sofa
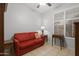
x,y
25,42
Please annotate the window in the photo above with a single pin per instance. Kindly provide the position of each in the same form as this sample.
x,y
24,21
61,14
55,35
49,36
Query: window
x,y
70,31
64,23
59,23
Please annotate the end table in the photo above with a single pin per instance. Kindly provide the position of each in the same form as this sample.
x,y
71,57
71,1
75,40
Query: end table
x,y
8,48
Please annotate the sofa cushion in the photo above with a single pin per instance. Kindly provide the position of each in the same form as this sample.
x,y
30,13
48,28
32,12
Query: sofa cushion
x,y
24,36
26,44
32,35
38,40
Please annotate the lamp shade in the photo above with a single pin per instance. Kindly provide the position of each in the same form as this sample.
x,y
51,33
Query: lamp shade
x,y
42,27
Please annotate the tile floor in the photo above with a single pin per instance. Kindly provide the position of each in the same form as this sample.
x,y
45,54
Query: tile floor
x,y
49,50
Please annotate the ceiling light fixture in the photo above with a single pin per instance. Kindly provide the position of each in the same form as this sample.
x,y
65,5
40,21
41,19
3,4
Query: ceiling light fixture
x,y
42,3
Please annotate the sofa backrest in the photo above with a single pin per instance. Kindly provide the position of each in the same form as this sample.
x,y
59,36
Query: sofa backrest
x,y
24,36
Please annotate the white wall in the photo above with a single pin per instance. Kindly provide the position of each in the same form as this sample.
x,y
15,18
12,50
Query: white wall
x,y
48,22
19,18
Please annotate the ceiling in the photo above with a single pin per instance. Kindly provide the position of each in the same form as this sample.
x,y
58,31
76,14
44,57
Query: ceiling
x,y
45,8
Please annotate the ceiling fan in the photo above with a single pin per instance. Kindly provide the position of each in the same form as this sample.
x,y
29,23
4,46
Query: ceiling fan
x,y
49,4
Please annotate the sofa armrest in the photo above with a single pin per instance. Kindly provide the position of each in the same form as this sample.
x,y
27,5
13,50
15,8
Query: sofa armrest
x,y
16,46
16,42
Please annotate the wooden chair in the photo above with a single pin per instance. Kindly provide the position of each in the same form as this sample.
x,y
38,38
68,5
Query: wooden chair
x,y
59,37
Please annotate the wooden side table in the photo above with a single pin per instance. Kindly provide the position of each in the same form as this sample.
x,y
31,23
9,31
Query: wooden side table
x,y
46,38
60,37
8,48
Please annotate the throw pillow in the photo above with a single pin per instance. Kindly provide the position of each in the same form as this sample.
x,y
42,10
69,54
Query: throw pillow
x,y
37,35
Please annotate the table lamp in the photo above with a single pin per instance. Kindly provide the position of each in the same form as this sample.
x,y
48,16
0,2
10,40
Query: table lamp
x,y
42,29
